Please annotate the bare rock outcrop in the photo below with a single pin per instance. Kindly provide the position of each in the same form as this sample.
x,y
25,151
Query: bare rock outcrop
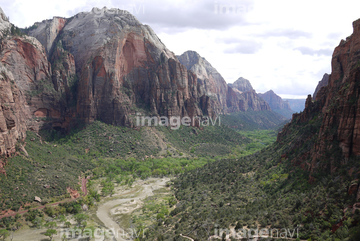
x,y
341,98
242,84
13,115
5,25
118,67
210,81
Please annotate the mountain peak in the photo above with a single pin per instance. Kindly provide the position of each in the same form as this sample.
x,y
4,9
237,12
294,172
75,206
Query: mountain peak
x,y
242,85
199,65
277,104
189,58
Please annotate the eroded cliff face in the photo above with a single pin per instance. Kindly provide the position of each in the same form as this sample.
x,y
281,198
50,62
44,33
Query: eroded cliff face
x,y
13,114
113,67
27,97
336,109
210,82
99,65
341,98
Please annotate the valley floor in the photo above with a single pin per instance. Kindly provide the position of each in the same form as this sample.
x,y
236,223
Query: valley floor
x,y
124,201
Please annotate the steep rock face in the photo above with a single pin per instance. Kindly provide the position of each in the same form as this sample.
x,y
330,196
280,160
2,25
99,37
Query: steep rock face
x,y
211,83
26,59
277,104
119,67
341,98
336,109
242,97
27,99
47,31
4,22
13,113
322,83
223,98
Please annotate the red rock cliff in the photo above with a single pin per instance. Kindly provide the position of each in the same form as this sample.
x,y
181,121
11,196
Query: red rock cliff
x,y
337,106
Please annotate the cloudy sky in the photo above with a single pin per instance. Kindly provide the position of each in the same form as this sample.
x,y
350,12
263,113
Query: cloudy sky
x,y
283,45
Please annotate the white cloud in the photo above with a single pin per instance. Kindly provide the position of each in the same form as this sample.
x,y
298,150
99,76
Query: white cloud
x,y
279,44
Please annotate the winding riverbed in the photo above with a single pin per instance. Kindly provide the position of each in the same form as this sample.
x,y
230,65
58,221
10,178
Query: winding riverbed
x,y
120,204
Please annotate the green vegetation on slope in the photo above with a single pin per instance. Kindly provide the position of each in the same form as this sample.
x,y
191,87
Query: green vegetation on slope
x,y
55,161
114,155
253,120
209,141
284,112
268,189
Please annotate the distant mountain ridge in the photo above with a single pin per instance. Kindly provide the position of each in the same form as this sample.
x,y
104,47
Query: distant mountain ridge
x,y
239,96
277,104
297,105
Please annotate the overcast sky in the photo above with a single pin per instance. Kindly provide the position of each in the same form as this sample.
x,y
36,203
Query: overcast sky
x,y
282,45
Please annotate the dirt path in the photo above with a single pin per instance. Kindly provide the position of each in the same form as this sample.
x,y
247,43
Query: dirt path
x,y
186,237
109,208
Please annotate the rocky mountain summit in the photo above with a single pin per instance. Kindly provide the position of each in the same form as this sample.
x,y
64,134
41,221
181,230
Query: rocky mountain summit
x,y
242,90
277,104
102,65
242,84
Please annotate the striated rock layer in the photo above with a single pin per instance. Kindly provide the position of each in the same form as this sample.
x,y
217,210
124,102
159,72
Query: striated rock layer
x,y
27,97
118,67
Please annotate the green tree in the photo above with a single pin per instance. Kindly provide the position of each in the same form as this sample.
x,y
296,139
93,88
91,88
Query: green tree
x,y
37,222
64,238
51,225
108,189
4,234
62,218
50,233
67,224
80,218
